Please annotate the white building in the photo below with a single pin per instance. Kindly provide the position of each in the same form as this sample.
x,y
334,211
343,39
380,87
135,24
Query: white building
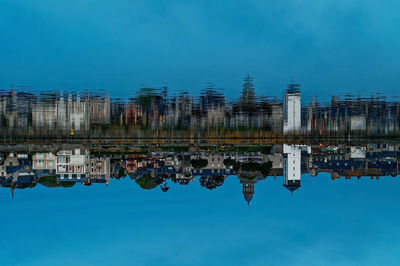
x,y
292,109
292,165
72,165
358,152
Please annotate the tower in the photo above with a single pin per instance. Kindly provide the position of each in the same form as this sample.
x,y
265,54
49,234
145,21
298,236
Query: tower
x,y
248,188
291,167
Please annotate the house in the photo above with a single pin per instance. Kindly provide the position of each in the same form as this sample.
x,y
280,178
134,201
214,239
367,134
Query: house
x,y
72,165
99,169
44,162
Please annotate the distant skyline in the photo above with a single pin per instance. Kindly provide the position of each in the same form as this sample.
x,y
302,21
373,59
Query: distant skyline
x,y
330,47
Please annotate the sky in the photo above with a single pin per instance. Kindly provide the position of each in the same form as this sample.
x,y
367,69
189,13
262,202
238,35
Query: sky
x,y
330,47
325,222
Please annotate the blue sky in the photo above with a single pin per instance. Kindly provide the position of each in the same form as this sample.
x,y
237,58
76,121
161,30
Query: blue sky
x,y
341,222
329,46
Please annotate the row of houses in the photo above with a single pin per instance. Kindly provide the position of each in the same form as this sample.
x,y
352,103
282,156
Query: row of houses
x,y
70,166
66,166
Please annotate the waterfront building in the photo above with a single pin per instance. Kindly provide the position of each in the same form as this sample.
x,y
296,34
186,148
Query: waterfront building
x,y
11,160
358,152
44,161
291,167
248,188
72,165
100,169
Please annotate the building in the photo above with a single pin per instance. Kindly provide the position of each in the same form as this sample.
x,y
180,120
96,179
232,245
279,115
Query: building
x,y
72,165
291,167
44,161
248,188
99,169
358,152
11,160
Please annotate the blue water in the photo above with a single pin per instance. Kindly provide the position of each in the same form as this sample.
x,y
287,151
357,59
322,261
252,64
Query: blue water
x,y
341,222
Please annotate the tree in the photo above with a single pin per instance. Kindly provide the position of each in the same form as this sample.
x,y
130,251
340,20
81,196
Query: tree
x,y
199,163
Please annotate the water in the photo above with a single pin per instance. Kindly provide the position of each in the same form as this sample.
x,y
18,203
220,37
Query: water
x,y
157,114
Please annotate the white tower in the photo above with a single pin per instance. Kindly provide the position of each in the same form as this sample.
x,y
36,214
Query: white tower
x,y
292,109
291,167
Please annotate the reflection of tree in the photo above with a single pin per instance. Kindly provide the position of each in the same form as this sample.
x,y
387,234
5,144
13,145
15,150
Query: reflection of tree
x,y
248,98
147,96
152,104
211,182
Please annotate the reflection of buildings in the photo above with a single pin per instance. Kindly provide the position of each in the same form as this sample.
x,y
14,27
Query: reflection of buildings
x,y
15,110
292,109
100,110
44,114
134,114
73,113
78,113
209,115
